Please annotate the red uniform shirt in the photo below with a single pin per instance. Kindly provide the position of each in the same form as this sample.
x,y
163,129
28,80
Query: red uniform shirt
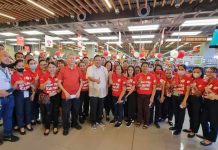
x,y
85,81
70,80
146,82
32,74
130,82
118,83
160,78
180,85
212,86
52,86
26,77
168,87
200,85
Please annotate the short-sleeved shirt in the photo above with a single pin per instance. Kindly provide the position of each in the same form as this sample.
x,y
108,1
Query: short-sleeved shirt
x,y
70,79
118,83
5,79
212,85
26,77
85,82
168,83
130,82
147,82
52,86
160,78
200,85
180,85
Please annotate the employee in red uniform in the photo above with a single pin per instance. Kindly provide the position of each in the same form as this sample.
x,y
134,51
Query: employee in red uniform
x,y
159,96
181,92
49,85
69,81
22,82
137,70
167,109
129,91
146,88
117,80
210,108
84,95
195,100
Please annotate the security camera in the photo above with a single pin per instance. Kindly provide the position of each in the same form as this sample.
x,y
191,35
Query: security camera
x,y
117,11
177,5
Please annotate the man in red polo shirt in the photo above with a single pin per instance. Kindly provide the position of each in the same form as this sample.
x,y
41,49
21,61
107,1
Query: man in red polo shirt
x,y
70,83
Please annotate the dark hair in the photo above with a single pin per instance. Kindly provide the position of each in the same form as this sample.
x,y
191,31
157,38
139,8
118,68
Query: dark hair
x,y
143,59
214,69
110,63
27,55
157,60
52,63
42,61
81,62
18,53
61,61
120,67
97,56
138,67
202,72
17,62
85,57
147,63
133,70
182,65
28,62
158,66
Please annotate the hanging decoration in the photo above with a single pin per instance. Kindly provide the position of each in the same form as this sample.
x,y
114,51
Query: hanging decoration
x,y
136,54
174,53
181,54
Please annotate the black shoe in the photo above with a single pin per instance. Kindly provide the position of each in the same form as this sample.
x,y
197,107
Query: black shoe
x,y
128,124
118,124
200,136
33,123
107,118
113,121
38,121
55,132
16,128
177,132
11,138
77,126
29,129
65,132
191,135
206,144
187,130
172,128
81,119
46,133
22,132
170,123
1,141
157,125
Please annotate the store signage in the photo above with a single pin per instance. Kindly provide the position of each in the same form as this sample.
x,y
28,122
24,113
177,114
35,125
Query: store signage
x,y
48,41
194,39
193,60
20,40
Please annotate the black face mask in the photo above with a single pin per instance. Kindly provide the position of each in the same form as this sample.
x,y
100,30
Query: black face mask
x,y
20,70
3,65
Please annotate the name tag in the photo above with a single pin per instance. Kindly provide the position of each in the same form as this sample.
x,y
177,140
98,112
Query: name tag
x,y
26,94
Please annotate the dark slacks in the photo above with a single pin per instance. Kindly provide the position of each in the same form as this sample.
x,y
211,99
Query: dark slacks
x,y
84,103
167,109
143,114
96,109
131,106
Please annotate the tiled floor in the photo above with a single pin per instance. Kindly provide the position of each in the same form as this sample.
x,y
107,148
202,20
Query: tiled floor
x,y
108,138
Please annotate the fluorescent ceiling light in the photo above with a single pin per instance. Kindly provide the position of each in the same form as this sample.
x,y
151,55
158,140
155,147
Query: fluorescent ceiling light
x,y
55,38
171,43
187,33
108,3
31,39
32,32
98,30
1,41
41,7
200,22
142,36
90,43
77,39
62,32
137,42
13,43
114,42
31,43
68,42
7,16
172,40
8,34
108,38
11,40
143,27
209,39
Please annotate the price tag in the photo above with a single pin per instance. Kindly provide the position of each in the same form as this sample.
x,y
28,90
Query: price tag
x,y
26,94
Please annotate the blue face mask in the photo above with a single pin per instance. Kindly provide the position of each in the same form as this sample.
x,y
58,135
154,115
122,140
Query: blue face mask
x,y
33,67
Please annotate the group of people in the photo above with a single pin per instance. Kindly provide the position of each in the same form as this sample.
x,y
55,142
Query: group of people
x,y
46,90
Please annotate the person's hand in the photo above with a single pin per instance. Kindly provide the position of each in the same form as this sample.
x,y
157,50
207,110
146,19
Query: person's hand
x,y
52,94
48,82
184,104
77,94
32,97
98,81
67,95
162,99
151,100
119,101
211,96
4,93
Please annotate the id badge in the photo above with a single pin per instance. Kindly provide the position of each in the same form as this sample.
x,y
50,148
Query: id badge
x,y
26,94
176,94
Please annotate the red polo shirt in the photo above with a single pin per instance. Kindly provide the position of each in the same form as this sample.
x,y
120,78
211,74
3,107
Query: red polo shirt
x,y
85,86
26,77
119,81
146,81
181,84
200,85
70,80
52,86
213,86
168,87
160,78
130,82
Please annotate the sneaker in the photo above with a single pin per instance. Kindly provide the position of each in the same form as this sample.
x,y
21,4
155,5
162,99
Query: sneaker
x,y
118,124
113,121
157,125
172,128
11,138
65,132
77,126
128,124
94,126
177,132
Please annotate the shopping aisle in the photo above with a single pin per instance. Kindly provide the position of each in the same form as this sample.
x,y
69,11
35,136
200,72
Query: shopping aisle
x,y
108,138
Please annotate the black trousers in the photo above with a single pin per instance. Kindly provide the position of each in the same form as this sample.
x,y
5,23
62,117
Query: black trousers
x,y
96,109
36,106
143,114
178,112
51,111
210,114
167,109
108,103
158,107
131,106
195,110
84,103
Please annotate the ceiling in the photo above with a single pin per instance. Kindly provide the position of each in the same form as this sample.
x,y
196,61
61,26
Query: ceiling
x,y
123,13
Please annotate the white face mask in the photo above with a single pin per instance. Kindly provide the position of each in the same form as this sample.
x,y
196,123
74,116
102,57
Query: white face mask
x,y
196,75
